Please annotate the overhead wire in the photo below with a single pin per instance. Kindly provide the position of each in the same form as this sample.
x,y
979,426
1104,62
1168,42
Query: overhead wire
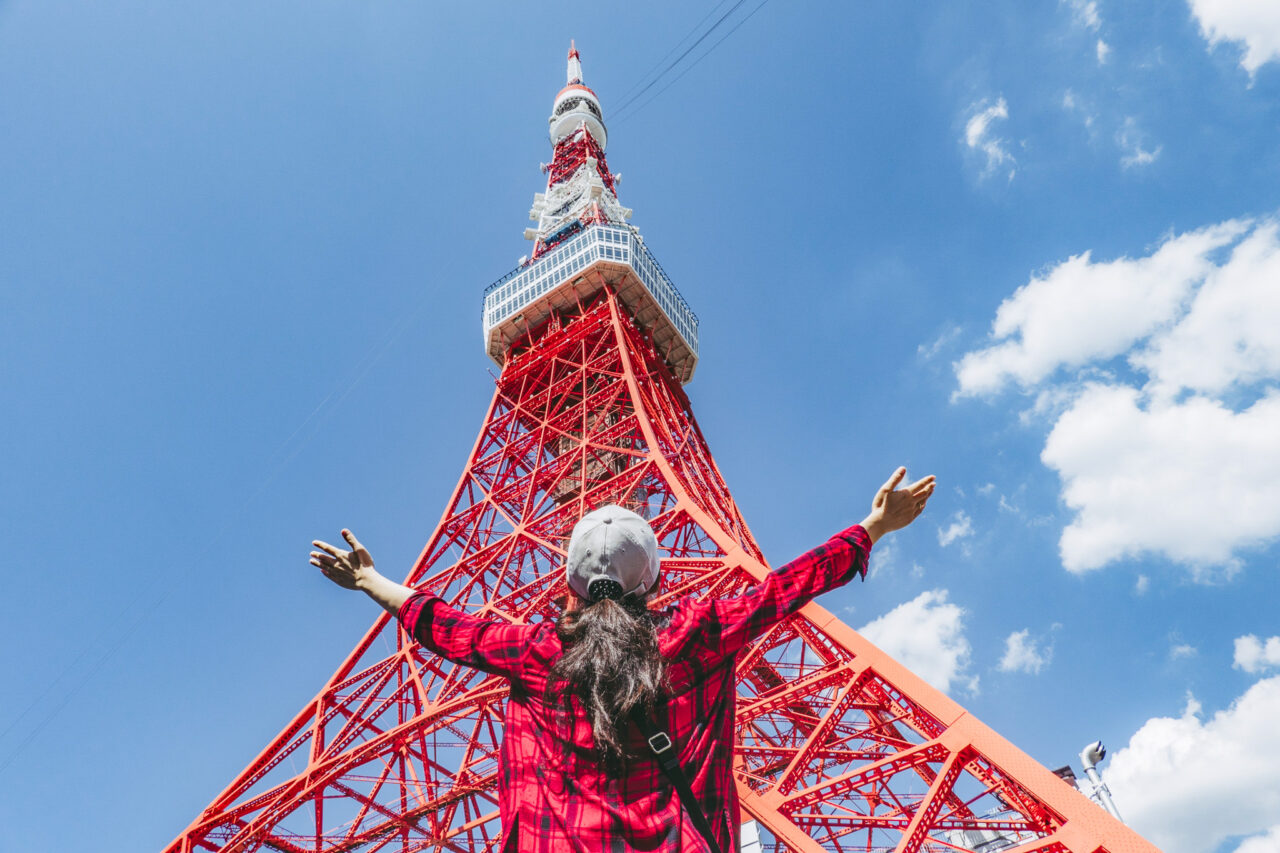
x,y
674,48
624,116
686,52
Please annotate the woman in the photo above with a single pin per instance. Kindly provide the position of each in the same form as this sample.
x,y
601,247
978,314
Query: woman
x,y
575,773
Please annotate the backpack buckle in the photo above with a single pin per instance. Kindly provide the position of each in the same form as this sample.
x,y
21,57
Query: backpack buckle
x,y
659,743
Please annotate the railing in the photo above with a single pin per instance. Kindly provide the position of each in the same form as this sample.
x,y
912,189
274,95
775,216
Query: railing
x,y
517,289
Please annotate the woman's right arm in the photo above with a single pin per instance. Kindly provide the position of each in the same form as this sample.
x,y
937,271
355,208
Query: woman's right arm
x,y
489,645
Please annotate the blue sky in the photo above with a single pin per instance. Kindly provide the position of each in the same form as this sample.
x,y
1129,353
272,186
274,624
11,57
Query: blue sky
x,y
1030,248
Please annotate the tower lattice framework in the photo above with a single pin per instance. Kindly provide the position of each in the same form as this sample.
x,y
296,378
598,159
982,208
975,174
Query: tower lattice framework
x,y
838,747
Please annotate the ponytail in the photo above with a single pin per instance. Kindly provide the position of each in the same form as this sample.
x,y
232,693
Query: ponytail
x,y
611,663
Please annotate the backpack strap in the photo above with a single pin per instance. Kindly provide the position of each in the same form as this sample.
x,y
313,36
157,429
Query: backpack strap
x,y
665,753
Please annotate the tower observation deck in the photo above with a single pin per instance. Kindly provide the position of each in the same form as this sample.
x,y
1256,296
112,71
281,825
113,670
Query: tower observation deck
x,y
583,242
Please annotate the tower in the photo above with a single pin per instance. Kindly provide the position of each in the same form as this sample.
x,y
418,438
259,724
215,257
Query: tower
x,y
839,747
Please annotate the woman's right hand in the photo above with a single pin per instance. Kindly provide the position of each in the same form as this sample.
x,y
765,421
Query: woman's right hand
x,y
893,508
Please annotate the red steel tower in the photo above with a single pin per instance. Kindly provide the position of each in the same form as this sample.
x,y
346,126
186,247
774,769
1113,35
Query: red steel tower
x,y
839,747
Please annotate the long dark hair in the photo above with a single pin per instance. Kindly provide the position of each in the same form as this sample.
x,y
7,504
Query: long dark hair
x,y
611,663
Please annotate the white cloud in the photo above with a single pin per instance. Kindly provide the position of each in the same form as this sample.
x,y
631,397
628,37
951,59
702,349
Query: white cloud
x,y
961,527
979,137
1142,584
1135,154
1268,842
1256,23
1191,436
1023,654
1049,404
926,635
1189,784
1254,655
1081,310
1072,103
1132,141
1230,336
928,351
884,559
1183,650
1086,13
1146,479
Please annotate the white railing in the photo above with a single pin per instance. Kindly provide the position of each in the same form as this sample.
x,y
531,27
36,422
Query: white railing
x,y
510,294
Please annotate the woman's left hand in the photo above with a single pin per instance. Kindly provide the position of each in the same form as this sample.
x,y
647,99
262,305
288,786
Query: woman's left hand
x,y
893,508
348,569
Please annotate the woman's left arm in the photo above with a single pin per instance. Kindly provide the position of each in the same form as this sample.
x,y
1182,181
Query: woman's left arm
x,y
354,570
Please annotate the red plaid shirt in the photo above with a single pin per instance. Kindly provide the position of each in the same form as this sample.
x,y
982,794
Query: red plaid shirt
x,y
553,796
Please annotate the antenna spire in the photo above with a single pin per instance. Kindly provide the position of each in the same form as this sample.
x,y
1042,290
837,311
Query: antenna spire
x,y
575,66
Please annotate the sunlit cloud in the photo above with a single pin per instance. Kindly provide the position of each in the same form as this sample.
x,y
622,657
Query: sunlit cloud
x,y
1254,655
1142,362
927,635
980,137
1134,148
1253,25
1192,782
1023,653
961,527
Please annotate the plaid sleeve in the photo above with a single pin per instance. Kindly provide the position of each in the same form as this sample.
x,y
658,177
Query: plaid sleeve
x,y
488,645
788,588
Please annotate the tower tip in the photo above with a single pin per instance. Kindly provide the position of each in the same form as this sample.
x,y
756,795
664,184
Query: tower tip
x,y
575,65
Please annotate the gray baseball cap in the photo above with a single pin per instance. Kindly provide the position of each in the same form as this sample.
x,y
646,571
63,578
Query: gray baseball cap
x,y
615,545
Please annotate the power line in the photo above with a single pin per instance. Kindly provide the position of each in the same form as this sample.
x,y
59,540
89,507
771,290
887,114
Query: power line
x,y
687,51
674,48
691,65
